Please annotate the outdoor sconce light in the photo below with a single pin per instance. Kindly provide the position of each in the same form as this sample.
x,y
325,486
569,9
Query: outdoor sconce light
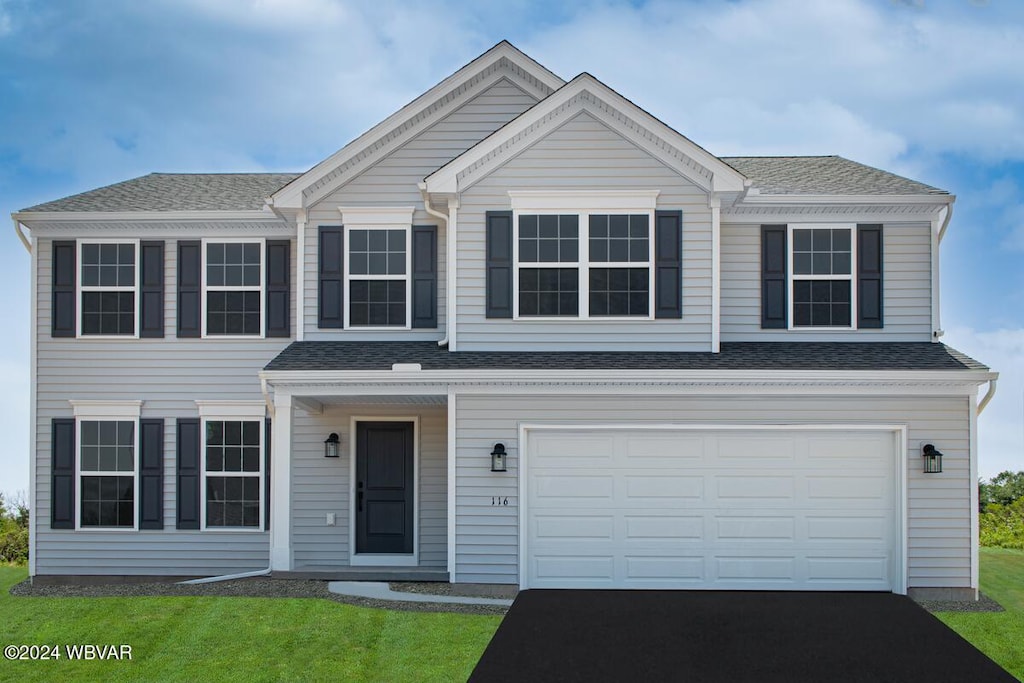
x,y
498,458
932,458
331,446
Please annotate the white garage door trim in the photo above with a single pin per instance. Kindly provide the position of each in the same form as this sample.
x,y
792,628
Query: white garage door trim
x,y
899,433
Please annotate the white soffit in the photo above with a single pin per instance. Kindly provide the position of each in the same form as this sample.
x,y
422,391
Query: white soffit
x,y
501,61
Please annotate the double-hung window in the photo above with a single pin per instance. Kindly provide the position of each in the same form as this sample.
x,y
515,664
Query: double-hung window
x,y
378,277
233,283
108,293
583,255
233,466
823,288
107,464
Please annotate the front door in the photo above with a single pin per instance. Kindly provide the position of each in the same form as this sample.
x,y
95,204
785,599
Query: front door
x,y
384,487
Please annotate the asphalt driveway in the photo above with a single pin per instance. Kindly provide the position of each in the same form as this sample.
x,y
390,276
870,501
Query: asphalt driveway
x,y
711,636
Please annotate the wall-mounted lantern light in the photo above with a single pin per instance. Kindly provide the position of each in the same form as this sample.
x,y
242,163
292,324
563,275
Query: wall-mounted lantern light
x,y
932,458
331,446
498,458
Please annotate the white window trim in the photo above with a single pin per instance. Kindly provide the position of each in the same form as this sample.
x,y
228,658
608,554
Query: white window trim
x,y
106,411
261,288
583,265
852,277
384,559
348,276
80,288
233,411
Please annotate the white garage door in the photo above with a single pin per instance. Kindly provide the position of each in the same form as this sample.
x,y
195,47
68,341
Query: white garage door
x,y
729,509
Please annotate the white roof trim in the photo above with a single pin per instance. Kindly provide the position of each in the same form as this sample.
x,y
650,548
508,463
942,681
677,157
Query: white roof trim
x,y
292,195
755,199
28,217
590,95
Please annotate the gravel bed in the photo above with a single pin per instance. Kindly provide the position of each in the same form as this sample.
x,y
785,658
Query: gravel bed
x,y
982,604
248,588
454,589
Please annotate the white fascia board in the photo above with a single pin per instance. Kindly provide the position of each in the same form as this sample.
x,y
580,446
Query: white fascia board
x,y
291,195
724,177
376,215
754,199
28,217
954,382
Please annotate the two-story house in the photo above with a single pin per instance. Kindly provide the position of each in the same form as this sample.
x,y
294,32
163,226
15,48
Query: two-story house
x,y
520,332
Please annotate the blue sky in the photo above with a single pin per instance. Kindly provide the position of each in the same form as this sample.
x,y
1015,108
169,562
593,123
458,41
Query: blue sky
x,y
96,92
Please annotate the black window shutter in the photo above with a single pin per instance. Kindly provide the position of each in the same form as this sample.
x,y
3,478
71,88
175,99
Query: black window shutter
x,y
869,276
331,276
424,276
668,264
189,288
774,314
279,289
151,474
151,290
62,474
266,475
499,264
63,313
188,473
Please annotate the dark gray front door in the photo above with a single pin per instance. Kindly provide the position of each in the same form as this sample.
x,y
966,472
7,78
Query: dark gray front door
x,y
384,487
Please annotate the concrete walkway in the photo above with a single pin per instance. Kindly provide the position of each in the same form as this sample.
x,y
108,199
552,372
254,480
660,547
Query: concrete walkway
x,y
381,591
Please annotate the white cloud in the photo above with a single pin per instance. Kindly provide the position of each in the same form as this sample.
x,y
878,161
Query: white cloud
x,y
1001,426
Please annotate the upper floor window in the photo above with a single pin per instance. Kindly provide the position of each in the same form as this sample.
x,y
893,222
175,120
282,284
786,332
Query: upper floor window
x,y
609,277
108,291
233,284
378,277
822,276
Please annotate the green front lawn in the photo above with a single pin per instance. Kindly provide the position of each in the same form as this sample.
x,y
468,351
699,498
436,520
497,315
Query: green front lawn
x,y
239,639
1000,635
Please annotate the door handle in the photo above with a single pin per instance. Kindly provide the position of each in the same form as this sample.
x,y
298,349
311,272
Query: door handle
x,y
359,496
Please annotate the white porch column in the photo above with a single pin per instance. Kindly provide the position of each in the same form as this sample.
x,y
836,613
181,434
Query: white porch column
x,y
281,484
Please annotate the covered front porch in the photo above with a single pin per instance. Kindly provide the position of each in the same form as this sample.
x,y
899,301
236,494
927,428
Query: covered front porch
x,y
359,480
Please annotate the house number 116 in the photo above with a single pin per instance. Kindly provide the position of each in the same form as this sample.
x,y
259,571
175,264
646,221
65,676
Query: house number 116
x,y
499,500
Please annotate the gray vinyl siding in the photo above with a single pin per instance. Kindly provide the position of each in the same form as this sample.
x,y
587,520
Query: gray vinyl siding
x,y
907,289
168,374
584,154
393,182
322,485
938,528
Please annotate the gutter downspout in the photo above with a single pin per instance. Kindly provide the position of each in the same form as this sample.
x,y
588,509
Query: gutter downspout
x,y
988,396
257,572
449,265
21,235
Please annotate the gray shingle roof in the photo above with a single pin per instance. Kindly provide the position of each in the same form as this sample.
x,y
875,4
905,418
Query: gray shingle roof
x,y
325,355
824,175
177,192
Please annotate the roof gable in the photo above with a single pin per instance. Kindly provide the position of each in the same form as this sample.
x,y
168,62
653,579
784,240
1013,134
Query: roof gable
x,y
586,93
503,61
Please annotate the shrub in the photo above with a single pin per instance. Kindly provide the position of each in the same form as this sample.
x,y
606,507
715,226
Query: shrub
x,y
1002,526
13,531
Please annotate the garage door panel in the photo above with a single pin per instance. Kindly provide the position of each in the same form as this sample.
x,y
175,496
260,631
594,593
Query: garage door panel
x,y
669,527
577,452
674,488
754,487
664,569
755,529
572,527
582,486
843,488
726,511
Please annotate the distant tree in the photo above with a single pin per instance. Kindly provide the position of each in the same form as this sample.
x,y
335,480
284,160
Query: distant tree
x,y
1003,489
14,516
